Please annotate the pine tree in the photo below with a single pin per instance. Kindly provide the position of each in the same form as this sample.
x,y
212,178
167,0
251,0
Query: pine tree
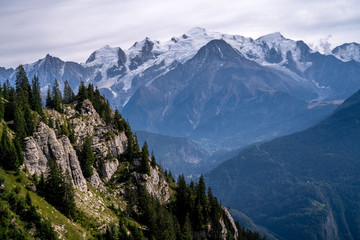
x,y
187,230
29,122
57,190
6,89
182,200
49,102
2,104
90,90
153,160
215,215
19,123
11,104
23,89
68,206
56,97
145,167
118,121
8,154
35,95
68,93
106,114
87,158
82,93
201,205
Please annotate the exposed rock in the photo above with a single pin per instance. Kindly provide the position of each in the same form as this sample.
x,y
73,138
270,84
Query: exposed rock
x,y
107,168
86,123
38,150
106,143
74,164
155,184
228,215
47,143
95,181
35,160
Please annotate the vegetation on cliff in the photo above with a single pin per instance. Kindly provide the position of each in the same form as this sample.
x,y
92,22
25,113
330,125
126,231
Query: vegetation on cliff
x,y
126,196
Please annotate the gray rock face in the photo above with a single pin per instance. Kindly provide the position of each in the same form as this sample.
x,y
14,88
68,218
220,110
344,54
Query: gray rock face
x,y
155,184
231,221
44,146
106,144
35,160
84,121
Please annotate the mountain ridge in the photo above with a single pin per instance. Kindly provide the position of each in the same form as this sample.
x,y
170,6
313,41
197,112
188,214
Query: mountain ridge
x,y
276,79
306,181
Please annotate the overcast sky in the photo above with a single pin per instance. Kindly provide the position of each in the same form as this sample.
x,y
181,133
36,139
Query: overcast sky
x,y
73,29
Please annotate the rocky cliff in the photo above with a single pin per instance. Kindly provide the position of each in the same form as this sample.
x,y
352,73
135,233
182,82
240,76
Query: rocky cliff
x,y
108,144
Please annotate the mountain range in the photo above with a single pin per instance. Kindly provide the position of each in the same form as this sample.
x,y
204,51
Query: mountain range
x,y
301,186
221,91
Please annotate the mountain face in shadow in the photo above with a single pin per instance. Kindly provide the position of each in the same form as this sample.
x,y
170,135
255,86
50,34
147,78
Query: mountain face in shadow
x,y
302,186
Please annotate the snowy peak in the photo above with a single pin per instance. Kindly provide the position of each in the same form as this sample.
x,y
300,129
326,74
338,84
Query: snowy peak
x,y
347,52
271,39
141,52
218,49
195,32
103,56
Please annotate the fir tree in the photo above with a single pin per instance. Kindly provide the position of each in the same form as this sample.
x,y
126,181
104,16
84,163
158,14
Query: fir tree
x,y
49,102
90,90
82,93
57,190
145,167
56,97
8,154
106,113
6,89
11,104
118,121
186,230
19,123
182,195
68,93
201,205
23,89
68,206
153,160
35,95
29,122
87,158
2,104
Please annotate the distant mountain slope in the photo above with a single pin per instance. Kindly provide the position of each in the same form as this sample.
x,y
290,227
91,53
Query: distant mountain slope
x,y
219,94
222,91
178,154
301,186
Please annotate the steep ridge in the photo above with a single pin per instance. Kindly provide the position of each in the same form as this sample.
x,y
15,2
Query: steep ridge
x,y
301,186
76,171
283,84
221,94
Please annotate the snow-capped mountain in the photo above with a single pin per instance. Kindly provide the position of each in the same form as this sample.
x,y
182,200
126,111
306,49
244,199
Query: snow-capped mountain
x,y
347,52
213,87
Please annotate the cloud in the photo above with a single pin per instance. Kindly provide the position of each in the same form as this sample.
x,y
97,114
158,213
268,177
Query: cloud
x,y
73,29
325,45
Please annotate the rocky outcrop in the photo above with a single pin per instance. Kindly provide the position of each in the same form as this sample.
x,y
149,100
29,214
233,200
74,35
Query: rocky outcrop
x,y
107,144
230,218
45,145
83,120
35,160
155,184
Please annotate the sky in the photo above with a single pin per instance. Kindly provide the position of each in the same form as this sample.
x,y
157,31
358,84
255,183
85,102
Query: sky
x,y
73,29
